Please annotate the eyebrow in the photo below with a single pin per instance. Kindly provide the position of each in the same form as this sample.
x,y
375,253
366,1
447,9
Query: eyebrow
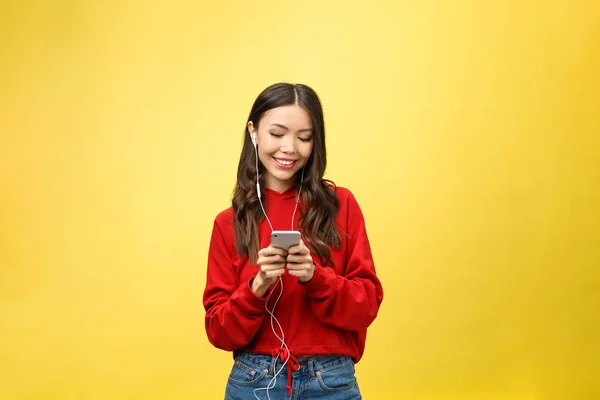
x,y
287,129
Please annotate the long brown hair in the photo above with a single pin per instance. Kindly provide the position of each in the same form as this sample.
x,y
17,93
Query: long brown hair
x,y
317,218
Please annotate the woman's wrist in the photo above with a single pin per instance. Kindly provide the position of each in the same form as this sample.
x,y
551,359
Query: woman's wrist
x,y
258,286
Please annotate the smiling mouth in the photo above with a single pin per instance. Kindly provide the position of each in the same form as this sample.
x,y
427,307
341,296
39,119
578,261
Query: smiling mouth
x,y
284,163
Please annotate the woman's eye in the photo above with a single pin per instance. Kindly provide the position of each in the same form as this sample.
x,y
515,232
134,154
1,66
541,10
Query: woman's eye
x,y
305,139
276,134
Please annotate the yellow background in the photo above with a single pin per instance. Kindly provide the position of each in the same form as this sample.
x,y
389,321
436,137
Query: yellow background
x,y
468,131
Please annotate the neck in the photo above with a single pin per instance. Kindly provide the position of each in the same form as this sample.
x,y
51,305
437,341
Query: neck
x,y
280,186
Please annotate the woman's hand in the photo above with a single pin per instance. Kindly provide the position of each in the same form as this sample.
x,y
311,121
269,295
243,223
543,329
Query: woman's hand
x,y
271,265
300,263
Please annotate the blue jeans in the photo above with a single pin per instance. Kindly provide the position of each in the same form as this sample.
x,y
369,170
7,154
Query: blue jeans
x,y
320,377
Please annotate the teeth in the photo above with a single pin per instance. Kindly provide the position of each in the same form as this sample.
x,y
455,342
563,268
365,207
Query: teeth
x,y
284,162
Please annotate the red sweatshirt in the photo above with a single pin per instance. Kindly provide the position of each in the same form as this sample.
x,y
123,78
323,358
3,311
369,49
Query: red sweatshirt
x,y
327,315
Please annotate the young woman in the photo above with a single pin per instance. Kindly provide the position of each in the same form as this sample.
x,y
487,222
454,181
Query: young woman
x,y
296,319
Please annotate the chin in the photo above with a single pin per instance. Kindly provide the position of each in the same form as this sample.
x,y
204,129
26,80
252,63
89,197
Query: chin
x,y
285,176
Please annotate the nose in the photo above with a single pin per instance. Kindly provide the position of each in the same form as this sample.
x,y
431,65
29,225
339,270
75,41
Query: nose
x,y
287,145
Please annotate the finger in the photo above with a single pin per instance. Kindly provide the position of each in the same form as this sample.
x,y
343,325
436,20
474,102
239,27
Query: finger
x,y
277,250
271,260
295,248
297,266
273,256
274,251
272,267
271,251
299,258
299,249
263,252
273,274
298,273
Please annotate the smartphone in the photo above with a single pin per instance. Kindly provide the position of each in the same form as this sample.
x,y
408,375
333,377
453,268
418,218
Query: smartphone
x,y
285,239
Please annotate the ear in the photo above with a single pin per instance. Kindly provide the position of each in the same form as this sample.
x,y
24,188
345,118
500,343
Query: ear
x,y
251,128
252,131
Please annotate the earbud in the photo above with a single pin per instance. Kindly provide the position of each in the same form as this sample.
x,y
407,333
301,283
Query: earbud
x,y
253,137
273,380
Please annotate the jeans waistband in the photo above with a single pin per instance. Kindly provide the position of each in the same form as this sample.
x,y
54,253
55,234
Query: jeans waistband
x,y
316,363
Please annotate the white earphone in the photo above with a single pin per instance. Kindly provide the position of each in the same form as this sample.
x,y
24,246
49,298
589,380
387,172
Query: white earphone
x,y
271,312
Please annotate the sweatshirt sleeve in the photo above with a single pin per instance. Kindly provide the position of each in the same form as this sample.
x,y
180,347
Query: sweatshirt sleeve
x,y
351,300
233,312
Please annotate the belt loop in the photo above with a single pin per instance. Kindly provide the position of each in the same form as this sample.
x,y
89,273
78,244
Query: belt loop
x,y
273,365
311,368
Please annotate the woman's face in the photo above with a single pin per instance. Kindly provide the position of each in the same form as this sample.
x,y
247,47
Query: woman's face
x,y
285,142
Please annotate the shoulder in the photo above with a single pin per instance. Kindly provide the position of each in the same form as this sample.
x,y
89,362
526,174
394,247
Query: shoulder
x,y
343,194
224,219
348,205
223,233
